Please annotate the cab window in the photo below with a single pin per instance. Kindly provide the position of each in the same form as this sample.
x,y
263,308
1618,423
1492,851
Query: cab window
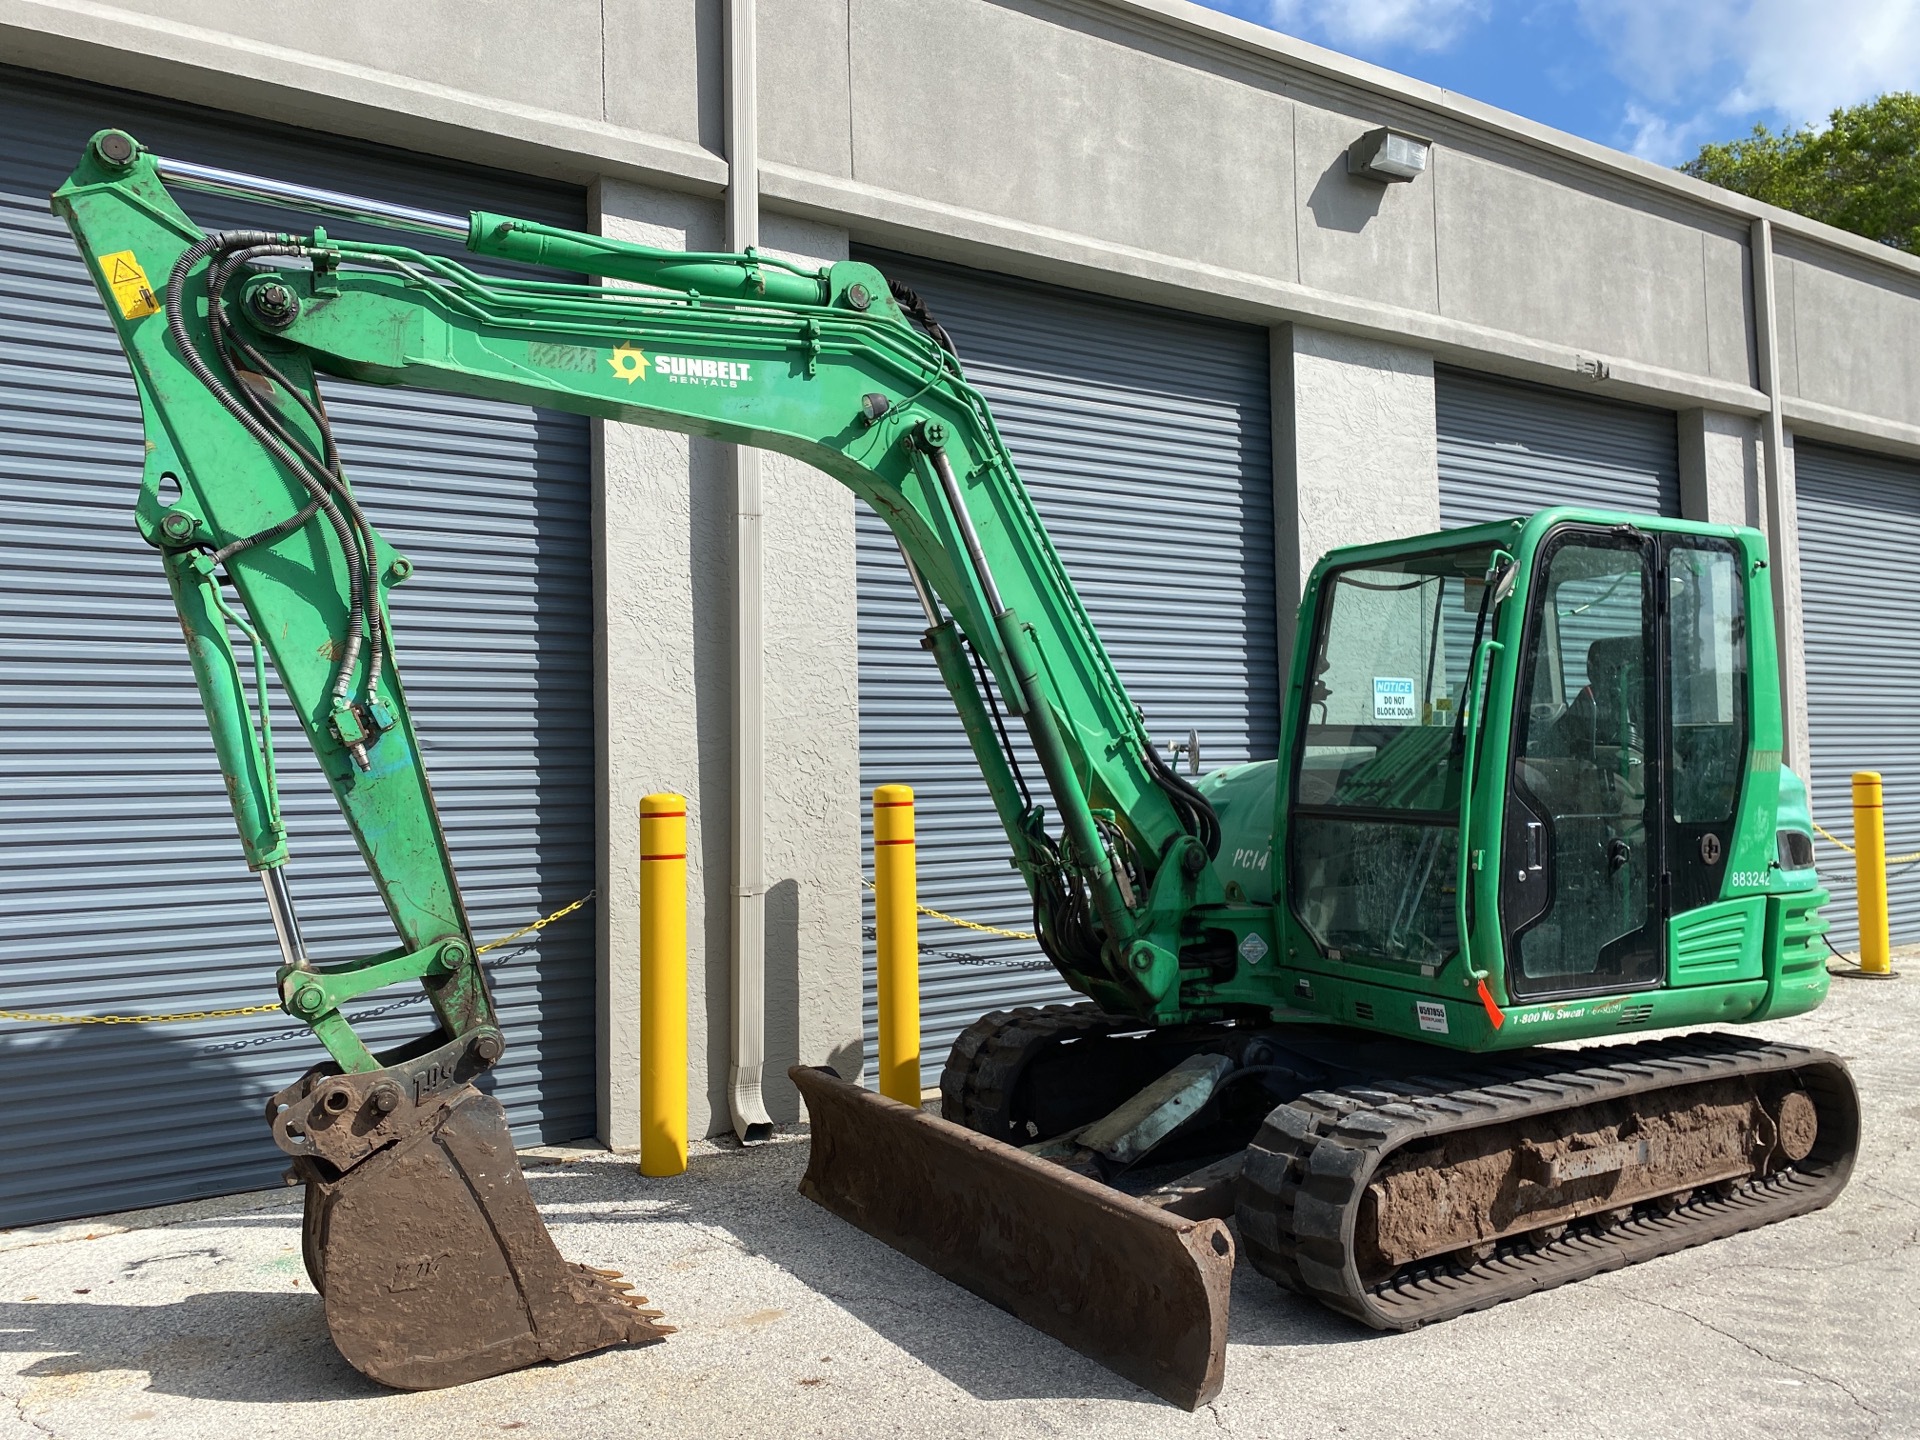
x,y
1373,840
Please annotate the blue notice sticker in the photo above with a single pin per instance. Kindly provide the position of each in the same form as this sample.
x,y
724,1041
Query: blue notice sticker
x,y
1393,699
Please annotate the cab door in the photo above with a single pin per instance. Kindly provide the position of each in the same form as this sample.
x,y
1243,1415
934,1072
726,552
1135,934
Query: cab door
x,y
1705,628
1583,851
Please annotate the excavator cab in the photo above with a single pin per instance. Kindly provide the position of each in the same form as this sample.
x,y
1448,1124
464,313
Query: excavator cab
x,y
1589,699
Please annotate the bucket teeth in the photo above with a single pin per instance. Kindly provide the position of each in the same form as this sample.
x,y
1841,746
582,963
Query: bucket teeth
x,y
611,1280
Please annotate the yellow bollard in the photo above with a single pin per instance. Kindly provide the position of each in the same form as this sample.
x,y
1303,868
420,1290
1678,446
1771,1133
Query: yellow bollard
x,y
663,985
1870,874
897,919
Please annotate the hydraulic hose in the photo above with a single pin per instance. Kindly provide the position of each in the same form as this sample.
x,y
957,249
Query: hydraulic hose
x,y
917,310
190,355
1202,821
328,462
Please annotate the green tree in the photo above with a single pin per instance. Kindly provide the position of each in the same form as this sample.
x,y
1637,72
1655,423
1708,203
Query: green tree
x,y
1861,173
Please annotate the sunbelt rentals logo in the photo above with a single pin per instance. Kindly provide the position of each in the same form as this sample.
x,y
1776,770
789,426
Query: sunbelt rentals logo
x,y
631,363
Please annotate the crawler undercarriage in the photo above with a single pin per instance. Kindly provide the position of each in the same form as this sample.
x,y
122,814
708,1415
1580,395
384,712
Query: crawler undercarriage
x,y
1393,1182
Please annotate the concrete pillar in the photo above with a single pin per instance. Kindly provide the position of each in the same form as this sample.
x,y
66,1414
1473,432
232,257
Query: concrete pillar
x,y
813,803
663,532
1722,482
1356,456
660,688
1720,468
1785,552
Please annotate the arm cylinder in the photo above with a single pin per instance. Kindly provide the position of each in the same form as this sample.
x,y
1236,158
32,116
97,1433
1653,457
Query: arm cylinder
x,y
307,198
236,744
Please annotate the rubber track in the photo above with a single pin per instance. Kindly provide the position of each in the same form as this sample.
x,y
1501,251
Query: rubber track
x,y
1307,1172
982,1069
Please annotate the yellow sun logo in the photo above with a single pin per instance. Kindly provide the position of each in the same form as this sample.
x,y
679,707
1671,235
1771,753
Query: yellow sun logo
x,y
629,361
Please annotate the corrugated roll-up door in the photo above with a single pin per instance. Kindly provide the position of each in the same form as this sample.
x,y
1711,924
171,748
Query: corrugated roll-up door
x,y
125,888
1859,519
1509,449
1144,437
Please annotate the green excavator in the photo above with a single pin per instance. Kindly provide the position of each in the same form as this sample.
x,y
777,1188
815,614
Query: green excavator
x,y
1529,791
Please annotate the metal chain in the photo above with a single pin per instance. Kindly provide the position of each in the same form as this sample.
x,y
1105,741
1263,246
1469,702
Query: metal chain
x,y
538,925
964,924
1890,860
986,962
134,1019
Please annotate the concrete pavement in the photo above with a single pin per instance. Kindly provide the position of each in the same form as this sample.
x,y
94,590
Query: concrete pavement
x,y
198,1321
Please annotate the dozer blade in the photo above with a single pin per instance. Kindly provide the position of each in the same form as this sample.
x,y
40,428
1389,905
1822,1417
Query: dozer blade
x,y
1142,1291
433,1259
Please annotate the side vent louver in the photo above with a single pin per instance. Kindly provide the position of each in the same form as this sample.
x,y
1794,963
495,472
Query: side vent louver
x,y
1635,1015
1363,1010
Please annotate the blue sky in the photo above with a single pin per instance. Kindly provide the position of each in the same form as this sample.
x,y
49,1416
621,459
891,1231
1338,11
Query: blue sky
x,y
1658,78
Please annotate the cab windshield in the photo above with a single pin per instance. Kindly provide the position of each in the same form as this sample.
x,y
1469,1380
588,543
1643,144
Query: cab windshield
x,y
1373,846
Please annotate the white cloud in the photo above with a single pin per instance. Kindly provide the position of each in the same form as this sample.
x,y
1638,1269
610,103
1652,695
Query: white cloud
x,y
1663,49
1372,25
1806,60
1783,60
1662,139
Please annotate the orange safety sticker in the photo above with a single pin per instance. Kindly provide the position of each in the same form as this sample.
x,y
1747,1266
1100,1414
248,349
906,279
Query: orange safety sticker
x,y
128,281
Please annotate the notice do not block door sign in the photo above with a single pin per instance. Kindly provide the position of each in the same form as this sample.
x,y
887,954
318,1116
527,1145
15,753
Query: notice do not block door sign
x,y
1393,699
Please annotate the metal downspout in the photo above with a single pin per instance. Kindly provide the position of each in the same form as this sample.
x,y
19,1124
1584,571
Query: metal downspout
x,y
749,1021
1782,520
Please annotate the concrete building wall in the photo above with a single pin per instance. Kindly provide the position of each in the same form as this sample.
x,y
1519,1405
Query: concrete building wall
x,y
1058,139
1849,335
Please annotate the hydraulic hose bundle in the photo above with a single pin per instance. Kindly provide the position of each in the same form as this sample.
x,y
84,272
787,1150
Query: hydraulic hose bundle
x,y
232,252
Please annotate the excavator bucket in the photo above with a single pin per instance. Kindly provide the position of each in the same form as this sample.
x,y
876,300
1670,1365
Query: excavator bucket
x,y
1141,1290
431,1255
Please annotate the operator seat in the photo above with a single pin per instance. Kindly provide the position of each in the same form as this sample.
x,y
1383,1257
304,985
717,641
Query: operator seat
x,y
1593,717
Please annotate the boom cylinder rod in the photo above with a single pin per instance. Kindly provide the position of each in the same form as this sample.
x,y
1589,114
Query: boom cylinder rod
x,y
943,640
235,185
928,606
286,925
957,503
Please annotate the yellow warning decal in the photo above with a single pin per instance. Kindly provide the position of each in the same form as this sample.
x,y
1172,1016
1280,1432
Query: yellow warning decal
x,y
129,285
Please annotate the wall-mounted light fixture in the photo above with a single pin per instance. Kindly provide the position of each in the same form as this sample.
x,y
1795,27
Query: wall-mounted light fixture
x,y
1388,155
